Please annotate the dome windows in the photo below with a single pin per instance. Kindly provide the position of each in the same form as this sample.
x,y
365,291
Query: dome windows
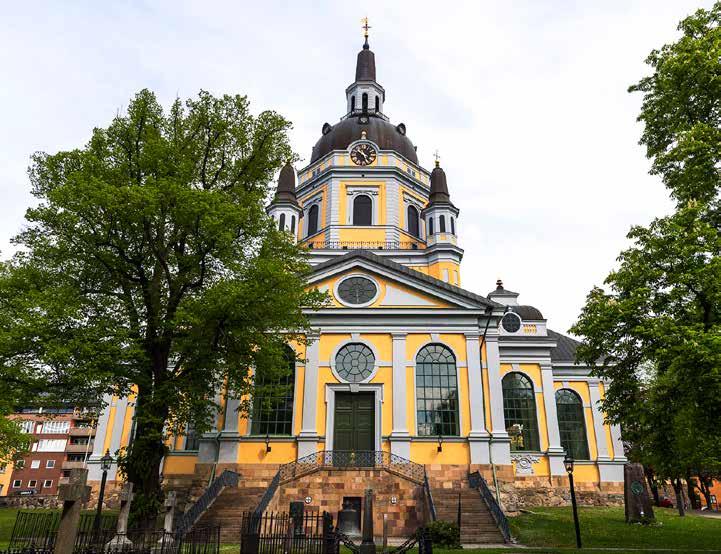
x,y
442,223
413,222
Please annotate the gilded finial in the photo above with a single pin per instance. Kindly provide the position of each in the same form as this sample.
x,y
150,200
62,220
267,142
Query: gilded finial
x,y
437,157
365,28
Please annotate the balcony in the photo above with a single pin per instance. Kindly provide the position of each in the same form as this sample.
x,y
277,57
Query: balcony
x,y
73,465
79,448
81,432
363,245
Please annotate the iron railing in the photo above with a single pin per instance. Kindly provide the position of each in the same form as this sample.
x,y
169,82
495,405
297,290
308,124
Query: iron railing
x,y
268,494
36,529
476,481
364,245
429,496
188,519
349,459
274,532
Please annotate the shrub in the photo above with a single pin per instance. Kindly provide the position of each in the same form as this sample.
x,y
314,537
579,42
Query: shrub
x,y
444,534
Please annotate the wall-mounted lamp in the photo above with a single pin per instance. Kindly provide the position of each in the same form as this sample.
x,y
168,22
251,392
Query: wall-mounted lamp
x,y
440,443
268,448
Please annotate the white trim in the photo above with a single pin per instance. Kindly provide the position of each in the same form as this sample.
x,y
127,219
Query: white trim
x,y
356,340
372,192
355,274
332,388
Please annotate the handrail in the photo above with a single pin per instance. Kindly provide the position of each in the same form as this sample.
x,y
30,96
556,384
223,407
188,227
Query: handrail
x,y
429,496
347,459
188,519
267,495
476,481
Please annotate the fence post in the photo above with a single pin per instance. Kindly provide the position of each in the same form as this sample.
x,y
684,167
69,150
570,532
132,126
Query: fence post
x,y
73,494
368,546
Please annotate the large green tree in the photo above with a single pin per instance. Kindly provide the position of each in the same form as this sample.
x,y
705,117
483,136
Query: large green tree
x,y
654,330
149,265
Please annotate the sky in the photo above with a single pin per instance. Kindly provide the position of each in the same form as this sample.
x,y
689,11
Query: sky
x,y
526,101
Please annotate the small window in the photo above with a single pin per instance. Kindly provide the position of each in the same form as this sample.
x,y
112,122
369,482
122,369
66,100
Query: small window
x,y
50,464
292,224
430,225
453,226
413,225
47,483
32,483
442,223
35,464
192,439
365,101
17,484
362,210
281,222
352,103
378,104
313,220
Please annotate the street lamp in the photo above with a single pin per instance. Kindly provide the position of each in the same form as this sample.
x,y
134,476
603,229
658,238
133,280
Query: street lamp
x,y
105,463
568,463
440,443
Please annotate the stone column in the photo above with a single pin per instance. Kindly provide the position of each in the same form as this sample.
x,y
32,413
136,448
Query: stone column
x,y
308,436
478,438
556,453
73,494
619,454
501,444
400,438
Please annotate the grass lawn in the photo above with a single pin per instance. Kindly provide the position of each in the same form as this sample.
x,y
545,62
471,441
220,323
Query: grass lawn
x,y
7,520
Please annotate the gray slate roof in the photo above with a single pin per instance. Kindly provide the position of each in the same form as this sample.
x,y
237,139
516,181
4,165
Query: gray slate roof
x,y
565,350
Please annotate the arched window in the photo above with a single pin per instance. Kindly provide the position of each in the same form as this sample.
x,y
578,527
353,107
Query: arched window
x,y
378,104
281,223
362,210
292,224
436,392
453,226
442,224
364,99
352,103
519,409
430,225
413,225
273,400
313,220
572,424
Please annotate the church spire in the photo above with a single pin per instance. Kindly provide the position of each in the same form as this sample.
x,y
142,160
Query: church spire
x,y
365,32
365,96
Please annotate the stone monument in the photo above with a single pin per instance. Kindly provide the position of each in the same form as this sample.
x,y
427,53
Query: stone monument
x,y
368,546
120,540
73,494
637,501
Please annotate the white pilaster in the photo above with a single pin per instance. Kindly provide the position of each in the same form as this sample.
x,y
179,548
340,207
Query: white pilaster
x,y
501,444
228,439
100,431
619,454
598,429
478,438
555,450
400,438
308,436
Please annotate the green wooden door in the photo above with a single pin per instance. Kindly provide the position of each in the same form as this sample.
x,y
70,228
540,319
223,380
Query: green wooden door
x,y
354,430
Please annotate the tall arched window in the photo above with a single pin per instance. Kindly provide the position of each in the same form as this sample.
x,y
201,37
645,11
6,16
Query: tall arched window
x,y
453,226
362,210
572,424
281,222
378,104
430,225
364,100
442,224
413,223
519,408
292,224
436,392
273,400
352,103
313,220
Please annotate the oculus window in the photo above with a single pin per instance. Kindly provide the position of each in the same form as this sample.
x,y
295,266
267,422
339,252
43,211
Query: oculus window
x,y
519,412
354,362
572,424
436,392
511,322
273,400
357,290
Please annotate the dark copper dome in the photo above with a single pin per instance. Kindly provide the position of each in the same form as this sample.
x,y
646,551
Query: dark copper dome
x,y
386,135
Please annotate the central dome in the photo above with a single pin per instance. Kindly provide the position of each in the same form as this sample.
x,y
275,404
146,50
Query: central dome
x,y
386,135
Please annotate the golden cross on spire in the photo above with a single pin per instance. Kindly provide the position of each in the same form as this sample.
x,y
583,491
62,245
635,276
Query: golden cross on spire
x,y
365,27
437,157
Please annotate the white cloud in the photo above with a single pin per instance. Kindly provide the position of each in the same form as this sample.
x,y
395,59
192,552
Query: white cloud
x,y
526,101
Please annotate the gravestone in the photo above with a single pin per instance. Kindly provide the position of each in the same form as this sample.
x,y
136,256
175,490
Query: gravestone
x,y
637,500
368,546
120,540
73,494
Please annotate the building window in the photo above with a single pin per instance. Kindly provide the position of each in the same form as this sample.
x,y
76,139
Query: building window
x,y
34,464
313,220
53,445
192,440
55,427
32,483
355,362
442,224
364,99
378,104
17,484
75,458
47,483
430,225
453,226
292,224
413,225
572,424
362,210
27,426
273,400
436,391
352,103
519,411
3,468
281,223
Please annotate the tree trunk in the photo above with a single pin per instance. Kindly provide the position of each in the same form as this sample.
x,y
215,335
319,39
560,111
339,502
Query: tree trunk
x,y
678,489
691,492
652,485
705,487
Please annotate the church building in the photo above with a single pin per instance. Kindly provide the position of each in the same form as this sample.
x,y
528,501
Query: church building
x,y
407,376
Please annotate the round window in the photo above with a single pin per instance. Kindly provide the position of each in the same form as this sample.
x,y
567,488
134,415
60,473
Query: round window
x,y
357,290
511,322
354,362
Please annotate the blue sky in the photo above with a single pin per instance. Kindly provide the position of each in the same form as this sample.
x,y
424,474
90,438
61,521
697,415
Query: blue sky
x,y
526,102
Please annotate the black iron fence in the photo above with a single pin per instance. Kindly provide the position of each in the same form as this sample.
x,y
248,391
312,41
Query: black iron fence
x,y
276,532
35,529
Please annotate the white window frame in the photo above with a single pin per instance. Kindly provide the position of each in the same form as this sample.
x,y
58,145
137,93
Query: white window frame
x,y
35,464
17,483
372,192
47,483
50,464
30,483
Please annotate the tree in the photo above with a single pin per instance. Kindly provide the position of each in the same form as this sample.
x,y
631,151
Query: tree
x,y
149,266
654,331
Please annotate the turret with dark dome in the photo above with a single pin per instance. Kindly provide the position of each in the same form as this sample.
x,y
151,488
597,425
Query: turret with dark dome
x,y
365,99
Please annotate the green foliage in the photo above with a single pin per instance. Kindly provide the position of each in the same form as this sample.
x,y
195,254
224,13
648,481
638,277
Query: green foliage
x,y
654,332
149,265
444,534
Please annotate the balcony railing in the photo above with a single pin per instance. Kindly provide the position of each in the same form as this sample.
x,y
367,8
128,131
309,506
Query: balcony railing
x,y
364,245
81,431
79,448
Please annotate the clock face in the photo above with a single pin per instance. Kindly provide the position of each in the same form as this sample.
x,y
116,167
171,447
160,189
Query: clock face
x,y
363,154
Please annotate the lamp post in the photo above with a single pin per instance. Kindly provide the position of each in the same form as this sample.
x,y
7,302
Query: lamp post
x,y
105,464
568,463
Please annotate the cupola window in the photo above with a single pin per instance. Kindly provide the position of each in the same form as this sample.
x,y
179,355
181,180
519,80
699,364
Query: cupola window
x,y
442,223
453,226
378,104
292,224
281,223
365,101
413,225
362,210
313,220
352,103
430,225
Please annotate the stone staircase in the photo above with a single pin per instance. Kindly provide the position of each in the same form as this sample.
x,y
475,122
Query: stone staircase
x,y
477,524
228,508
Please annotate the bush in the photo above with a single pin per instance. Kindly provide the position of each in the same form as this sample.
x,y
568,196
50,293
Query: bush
x,y
444,534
